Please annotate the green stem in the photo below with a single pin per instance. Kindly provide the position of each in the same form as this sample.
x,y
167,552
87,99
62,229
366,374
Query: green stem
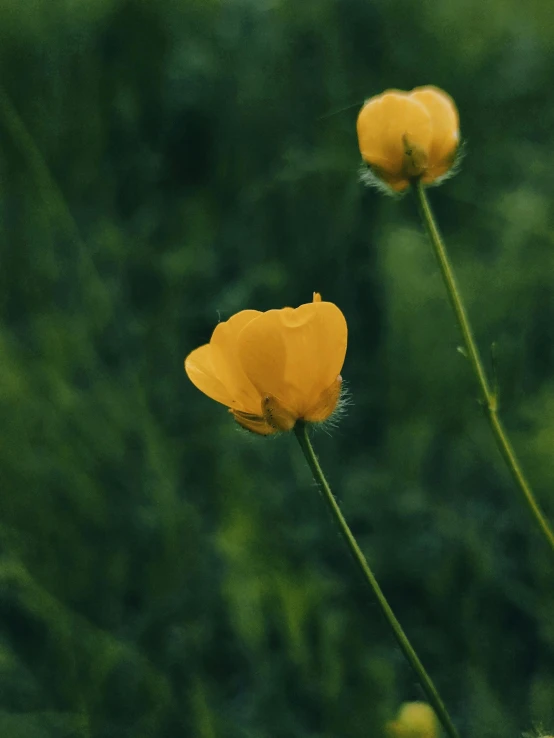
x,y
488,397
301,433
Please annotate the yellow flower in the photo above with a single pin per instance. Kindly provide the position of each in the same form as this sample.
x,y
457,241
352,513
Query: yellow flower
x,y
407,135
272,369
414,720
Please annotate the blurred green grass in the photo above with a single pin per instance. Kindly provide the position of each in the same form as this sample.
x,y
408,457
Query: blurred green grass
x,y
163,574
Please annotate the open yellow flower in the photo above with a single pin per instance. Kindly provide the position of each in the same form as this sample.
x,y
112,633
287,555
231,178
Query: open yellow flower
x,y
414,720
408,135
274,368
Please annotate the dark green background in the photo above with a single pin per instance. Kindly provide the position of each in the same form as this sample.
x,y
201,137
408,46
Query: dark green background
x,y
164,165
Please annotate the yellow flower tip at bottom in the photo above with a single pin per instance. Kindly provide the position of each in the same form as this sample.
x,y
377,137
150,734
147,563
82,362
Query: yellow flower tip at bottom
x,y
404,136
414,720
275,368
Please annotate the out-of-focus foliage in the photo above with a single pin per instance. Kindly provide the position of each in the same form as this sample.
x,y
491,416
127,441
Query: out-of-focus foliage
x,y
163,165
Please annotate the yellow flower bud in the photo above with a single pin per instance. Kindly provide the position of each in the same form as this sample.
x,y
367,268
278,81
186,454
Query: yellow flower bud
x,y
405,136
414,720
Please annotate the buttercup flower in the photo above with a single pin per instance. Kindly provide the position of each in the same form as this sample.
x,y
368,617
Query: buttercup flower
x,y
408,135
414,720
272,369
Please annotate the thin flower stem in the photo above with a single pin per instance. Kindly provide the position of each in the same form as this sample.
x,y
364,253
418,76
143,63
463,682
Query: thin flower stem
x,y
488,397
301,433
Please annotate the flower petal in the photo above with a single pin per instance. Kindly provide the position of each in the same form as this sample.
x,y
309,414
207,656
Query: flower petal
x,y
201,372
294,355
386,125
223,342
446,133
216,370
325,404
